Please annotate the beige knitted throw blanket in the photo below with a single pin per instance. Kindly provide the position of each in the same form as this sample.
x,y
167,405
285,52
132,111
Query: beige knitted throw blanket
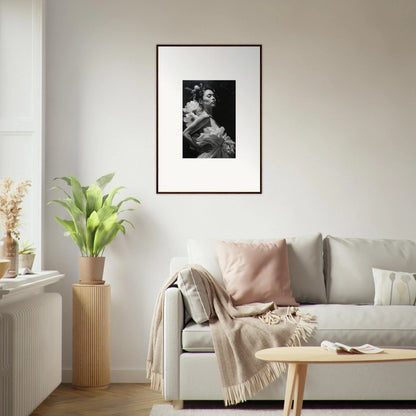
x,y
237,333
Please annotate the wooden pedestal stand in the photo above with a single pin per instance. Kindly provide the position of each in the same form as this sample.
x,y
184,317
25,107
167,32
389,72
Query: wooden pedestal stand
x,y
91,354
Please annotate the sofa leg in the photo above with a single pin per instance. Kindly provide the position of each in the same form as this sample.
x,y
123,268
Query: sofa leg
x,y
177,404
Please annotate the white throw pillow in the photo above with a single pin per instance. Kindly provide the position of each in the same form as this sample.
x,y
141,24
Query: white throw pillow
x,y
194,295
394,288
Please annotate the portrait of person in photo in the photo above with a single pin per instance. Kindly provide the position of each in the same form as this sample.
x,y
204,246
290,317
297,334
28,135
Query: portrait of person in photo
x,y
209,119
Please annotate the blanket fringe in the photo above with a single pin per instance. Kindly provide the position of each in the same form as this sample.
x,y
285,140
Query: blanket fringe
x,y
305,326
241,392
305,323
156,380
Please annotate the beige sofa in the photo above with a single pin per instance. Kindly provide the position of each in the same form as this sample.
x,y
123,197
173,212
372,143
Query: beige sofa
x,y
332,279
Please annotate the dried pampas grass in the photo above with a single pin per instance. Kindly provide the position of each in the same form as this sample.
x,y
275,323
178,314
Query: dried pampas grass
x,y
11,198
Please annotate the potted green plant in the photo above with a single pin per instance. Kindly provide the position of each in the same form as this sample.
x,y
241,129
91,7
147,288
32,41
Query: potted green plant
x,y
26,255
94,222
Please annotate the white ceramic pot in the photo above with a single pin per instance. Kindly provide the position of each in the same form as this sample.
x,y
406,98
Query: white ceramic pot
x,y
26,261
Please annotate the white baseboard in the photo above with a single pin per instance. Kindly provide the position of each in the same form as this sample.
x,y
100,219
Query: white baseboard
x,y
136,375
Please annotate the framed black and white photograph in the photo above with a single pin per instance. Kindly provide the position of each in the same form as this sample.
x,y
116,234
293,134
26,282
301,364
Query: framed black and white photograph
x,y
208,119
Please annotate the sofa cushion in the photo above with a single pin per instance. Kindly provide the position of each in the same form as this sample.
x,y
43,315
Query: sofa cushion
x,y
394,288
349,263
305,264
256,272
197,338
390,326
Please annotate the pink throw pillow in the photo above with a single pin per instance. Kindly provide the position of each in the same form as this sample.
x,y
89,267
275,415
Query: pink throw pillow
x,y
256,272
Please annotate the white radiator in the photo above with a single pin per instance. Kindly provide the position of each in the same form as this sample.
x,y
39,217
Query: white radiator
x,y
30,352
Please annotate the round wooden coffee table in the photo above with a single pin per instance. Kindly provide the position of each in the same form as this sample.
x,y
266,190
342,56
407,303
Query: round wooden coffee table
x,y
298,359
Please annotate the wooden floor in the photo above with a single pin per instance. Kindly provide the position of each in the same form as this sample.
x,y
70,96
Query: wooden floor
x,y
118,400
137,400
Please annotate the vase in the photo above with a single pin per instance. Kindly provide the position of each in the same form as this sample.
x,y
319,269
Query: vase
x,y
91,270
4,266
9,250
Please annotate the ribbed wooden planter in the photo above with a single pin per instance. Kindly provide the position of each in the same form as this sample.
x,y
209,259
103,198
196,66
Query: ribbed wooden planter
x,y
91,353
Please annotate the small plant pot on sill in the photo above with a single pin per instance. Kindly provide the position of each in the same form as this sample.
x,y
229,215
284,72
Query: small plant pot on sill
x,y
91,270
26,261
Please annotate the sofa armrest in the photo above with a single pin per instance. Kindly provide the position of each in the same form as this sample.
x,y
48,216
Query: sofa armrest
x,y
172,339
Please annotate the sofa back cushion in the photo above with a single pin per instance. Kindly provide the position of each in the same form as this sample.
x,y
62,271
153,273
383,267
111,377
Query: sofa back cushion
x,y
305,264
306,268
349,263
203,252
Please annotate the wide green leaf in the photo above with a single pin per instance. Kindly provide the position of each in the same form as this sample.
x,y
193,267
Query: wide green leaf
x,y
92,224
68,224
104,180
80,222
76,237
93,221
104,233
105,212
62,203
109,199
78,194
117,228
94,198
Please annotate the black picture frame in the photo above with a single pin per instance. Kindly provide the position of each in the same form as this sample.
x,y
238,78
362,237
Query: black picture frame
x,y
202,146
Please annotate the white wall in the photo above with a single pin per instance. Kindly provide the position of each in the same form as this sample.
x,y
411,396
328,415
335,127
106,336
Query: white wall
x,y
339,123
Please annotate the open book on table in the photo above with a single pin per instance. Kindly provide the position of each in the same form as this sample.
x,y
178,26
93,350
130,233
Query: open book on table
x,y
362,349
